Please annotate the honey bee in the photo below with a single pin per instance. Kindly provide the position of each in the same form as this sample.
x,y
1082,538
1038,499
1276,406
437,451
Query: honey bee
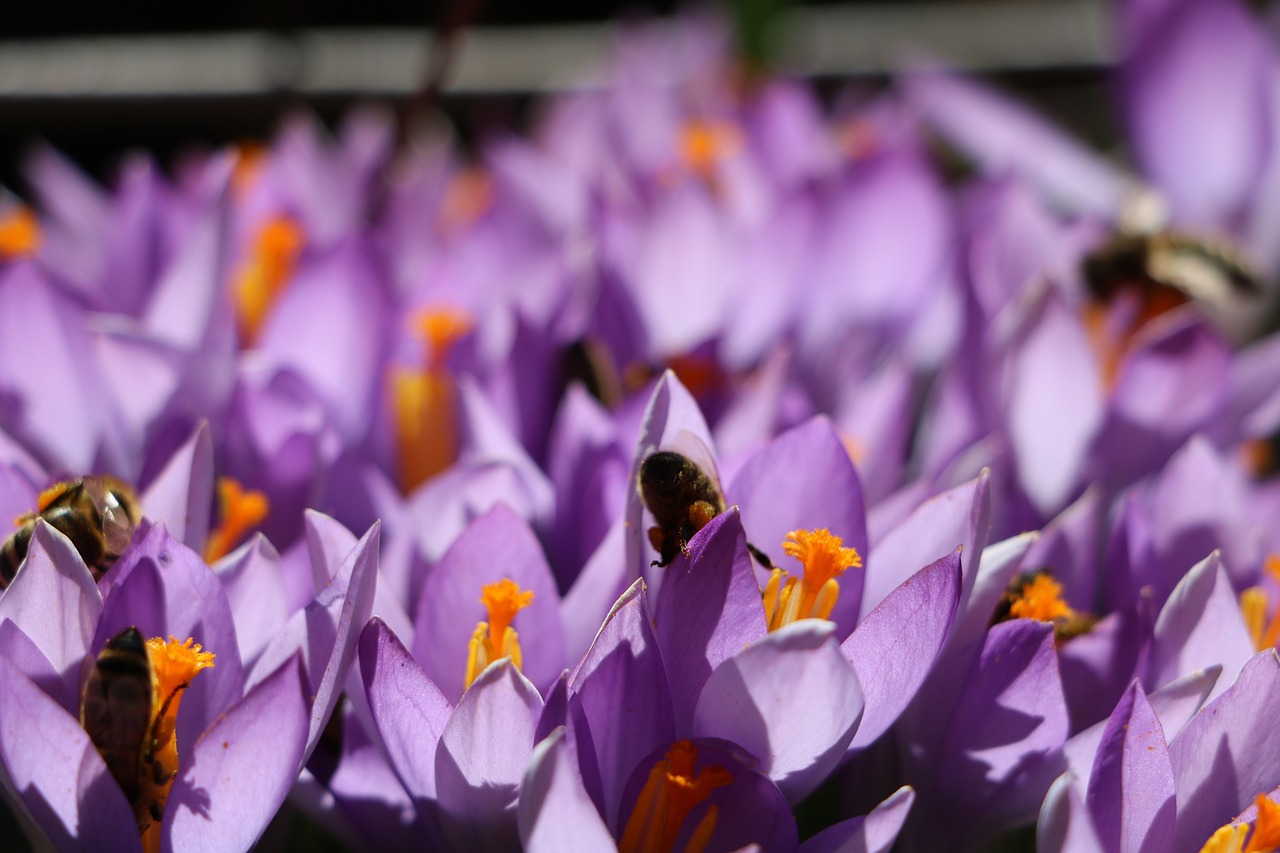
x,y
683,498
1168,269
97,513
121,711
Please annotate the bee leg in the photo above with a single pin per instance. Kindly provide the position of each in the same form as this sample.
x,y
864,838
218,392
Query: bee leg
x,y
761,557
657,539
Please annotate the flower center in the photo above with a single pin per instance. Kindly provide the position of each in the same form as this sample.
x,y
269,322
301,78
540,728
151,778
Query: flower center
x,y
1264,837
19,233
704,144
1254,604
241,512
788,599
469,197
130,711
425,400
1038,595
670,793
263,275
496,639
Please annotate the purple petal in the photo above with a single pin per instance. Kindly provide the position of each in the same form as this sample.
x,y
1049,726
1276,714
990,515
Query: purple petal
x,y
804,480
555,814
409,710
708,609
162,588
589,469
1173,383
894,648
55,771
181,495
1201,503
482,755
1000,562
189,300
240,770
498,545
1228,752
1196,88
21,651
1200,626
871,833
1055,403
55,602
328,544
254,581
326,632
602,581
955,518
1097,666
1069,545
384,813
685,258
1004,138
1064,825
791,699
321,329
1131,789
1004,743
620,692
43,347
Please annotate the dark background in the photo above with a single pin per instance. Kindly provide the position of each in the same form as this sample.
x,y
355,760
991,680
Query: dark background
x,y
96,131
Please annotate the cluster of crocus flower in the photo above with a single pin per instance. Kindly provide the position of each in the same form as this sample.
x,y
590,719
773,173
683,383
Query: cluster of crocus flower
x,y
969,531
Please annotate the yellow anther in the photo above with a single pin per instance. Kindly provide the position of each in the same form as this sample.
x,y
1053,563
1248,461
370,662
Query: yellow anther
x,y
241,512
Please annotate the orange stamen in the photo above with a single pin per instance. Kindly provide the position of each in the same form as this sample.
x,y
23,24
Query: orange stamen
x,y
1041,600
264,274
496,639
425,400
469,197
241,512
671,792
1263,835
19,233
173,665
704,144
813,596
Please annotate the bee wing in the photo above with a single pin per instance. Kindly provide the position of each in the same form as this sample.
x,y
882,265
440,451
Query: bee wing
x,y
117,526
691,446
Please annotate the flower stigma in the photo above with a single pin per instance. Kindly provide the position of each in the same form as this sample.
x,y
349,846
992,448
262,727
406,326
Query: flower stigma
x,y
19,233
705,144
1237,838
425,400
671,792
788,599
496,639
241,512
1038,595
263,275
1254,603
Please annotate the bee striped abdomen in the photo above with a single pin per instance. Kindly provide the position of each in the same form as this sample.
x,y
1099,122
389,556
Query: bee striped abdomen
x,y
116,709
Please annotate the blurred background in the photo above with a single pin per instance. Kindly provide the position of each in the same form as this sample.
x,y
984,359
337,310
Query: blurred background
x,y
96,80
